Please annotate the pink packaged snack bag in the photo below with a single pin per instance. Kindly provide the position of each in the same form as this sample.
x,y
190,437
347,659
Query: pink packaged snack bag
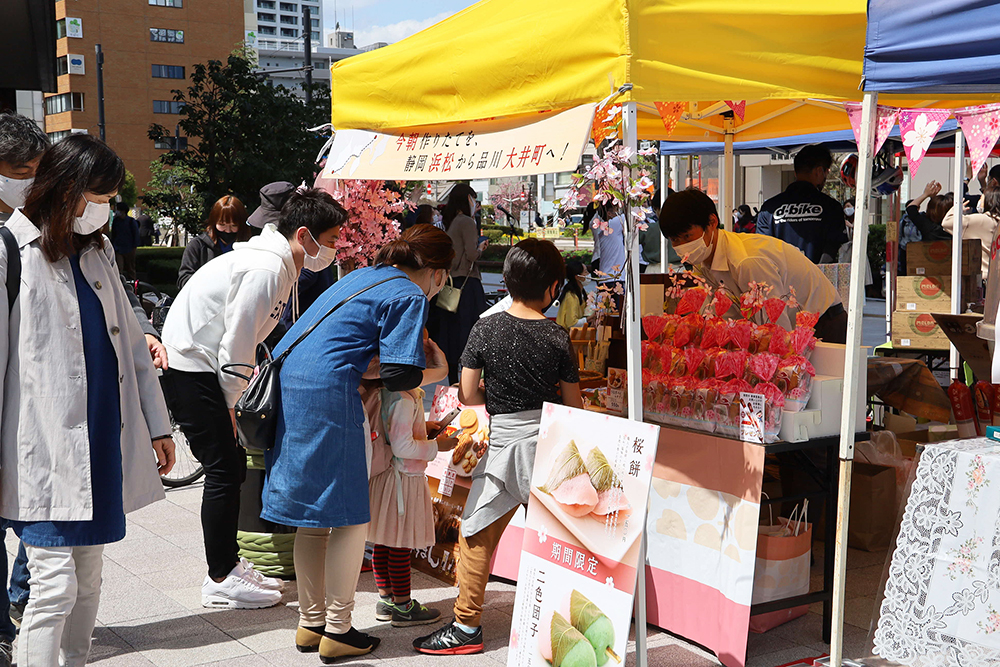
x,y
706,397
762,367
780,342
654,325
693,357
715,333
727,406
692,300
802,341
651,356
659,401
689,330
731,364
774,402
707,368
740,333
794,379
774,308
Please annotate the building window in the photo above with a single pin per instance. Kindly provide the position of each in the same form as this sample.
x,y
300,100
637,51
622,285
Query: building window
x,y
261,16
65,102
287,7
290,20
62,65
266,30
167,3
56,137
164,35
287,32
315,22
168,144
315,37
265,4
167,106
168,72
60,33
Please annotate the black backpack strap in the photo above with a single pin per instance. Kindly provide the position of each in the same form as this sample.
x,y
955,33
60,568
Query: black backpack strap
x,y
13,267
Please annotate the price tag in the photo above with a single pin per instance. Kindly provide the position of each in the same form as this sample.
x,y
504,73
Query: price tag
x,y
911,306
447,483
920,271
905,342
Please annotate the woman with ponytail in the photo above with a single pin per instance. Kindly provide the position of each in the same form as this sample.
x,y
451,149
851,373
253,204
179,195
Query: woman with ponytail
x,y
317,473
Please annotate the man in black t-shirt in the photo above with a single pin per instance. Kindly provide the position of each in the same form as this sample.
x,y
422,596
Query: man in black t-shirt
x,y
802,215
527,360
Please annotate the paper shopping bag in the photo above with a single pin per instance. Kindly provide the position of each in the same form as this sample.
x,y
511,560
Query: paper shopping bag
x,y
873,507
782,571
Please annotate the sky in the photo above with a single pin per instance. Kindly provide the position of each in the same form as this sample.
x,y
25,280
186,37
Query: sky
x,y
387,20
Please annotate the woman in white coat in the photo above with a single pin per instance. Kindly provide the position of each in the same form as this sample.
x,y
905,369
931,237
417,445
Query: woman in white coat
x,y
83,427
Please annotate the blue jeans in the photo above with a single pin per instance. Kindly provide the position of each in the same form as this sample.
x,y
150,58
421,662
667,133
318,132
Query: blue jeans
x,y
18,591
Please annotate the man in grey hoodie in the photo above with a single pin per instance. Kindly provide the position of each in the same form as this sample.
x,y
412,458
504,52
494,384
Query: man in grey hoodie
x,y
223,312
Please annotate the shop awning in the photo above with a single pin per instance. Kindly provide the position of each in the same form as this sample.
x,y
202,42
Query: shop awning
x,y
933,46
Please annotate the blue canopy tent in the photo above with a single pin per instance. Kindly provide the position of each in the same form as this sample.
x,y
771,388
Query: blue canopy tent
x,y
930,47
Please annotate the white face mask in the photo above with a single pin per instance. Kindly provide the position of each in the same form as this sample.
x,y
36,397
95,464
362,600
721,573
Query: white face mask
x,y
848,211
323,258
94,217
694,252
14,190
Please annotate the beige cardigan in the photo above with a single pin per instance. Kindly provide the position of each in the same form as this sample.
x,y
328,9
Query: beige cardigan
x,y
974,226
465,241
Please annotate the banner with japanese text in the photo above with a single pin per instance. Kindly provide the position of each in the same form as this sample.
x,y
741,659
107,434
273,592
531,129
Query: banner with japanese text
x,y
580,554
548,146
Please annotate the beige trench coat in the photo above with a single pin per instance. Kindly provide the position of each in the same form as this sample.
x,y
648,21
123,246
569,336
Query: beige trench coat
x,y
45,470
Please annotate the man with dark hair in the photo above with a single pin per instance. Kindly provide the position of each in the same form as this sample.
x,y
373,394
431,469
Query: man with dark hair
x,y
125,239
22,143
802,215
733,261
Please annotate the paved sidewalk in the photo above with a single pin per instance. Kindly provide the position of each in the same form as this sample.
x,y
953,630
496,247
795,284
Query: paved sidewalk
x,y
151,612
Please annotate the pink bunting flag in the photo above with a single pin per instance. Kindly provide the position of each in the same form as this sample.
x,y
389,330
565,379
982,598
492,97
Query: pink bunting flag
x,y
886,119
670,113
918,128
981,126
740,108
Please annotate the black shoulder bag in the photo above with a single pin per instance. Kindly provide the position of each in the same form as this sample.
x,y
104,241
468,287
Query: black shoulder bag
x,y
13,266
257,409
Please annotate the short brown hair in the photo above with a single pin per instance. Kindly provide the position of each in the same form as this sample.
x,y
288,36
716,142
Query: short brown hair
x,y
420,247
228,210
938,207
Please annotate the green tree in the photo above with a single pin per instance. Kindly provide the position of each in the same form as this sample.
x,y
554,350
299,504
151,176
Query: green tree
x,y
242,132
129,193
171,193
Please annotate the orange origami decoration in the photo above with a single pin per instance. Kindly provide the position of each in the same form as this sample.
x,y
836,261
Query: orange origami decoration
x,y
670,113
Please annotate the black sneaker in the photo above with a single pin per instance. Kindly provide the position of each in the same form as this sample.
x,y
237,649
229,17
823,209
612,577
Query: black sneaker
x,y
450,640
413,614
6,653
16,612
383,610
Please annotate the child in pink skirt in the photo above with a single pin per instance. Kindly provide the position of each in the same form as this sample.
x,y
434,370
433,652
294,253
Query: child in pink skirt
x,y
402,515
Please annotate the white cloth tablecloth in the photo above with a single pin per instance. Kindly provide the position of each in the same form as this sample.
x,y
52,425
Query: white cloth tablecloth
x,y
942,597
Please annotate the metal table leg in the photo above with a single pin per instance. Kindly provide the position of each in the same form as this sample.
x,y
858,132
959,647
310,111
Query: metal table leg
x,y
829,538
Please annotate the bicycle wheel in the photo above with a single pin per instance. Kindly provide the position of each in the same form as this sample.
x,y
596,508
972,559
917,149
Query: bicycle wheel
x,y
187,469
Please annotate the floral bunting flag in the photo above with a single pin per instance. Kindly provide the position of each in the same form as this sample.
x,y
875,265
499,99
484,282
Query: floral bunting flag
x,y
606,122
886,119
740,108
918,128
981,126
670,113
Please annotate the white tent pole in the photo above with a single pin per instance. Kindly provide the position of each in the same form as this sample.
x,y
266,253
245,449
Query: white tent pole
x,y
634,369
664,184
855,376
729,169
956,243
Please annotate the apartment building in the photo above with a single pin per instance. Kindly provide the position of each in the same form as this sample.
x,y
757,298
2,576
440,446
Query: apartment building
x,y
282,25
149,49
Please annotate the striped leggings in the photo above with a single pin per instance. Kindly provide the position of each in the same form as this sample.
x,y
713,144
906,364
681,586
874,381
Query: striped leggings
x,y
391,567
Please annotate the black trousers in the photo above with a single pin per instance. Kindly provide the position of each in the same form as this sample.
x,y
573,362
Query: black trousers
x,y
198,406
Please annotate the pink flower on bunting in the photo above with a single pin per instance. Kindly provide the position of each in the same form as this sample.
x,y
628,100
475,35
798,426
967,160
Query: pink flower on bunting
x,y
886,119
739,108
981,126
670,113
919,127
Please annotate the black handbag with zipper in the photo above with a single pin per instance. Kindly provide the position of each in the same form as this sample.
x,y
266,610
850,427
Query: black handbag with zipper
x,y
257,409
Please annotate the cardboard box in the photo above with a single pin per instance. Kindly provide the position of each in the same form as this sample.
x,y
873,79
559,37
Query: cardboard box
x,y
917,330
961,331
913,441
933,258
932,294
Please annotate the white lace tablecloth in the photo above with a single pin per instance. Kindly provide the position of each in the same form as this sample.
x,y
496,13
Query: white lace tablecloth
x,y
942,597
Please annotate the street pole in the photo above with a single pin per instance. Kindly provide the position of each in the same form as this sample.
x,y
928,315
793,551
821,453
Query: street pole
x,y
308,61
100,90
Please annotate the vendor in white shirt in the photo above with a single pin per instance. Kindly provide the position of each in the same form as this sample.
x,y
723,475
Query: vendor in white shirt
x,y
691,222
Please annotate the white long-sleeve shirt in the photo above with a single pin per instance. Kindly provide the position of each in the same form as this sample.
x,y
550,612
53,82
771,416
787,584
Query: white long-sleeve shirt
x,y
228,307
407,432
974,226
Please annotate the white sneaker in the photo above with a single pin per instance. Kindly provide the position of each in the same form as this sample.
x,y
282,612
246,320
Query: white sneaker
x,y
237,592
255,577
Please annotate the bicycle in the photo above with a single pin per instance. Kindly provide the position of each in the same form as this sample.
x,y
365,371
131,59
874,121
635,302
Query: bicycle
x,y
187,470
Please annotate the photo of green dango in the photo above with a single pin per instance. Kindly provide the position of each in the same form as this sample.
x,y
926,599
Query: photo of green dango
x,y
569,647
594,624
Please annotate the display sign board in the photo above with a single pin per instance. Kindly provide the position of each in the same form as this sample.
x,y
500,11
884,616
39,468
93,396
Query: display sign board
x,y
548,146
74,28
75,64
580,554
